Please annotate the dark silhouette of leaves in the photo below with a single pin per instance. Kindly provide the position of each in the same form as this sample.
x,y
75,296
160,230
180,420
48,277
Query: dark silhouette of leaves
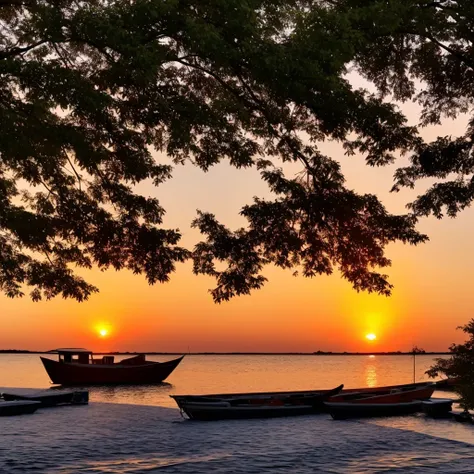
x,y
89,89
460,367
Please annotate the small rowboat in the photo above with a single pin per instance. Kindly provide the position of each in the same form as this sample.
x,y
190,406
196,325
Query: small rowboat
x,y
383,402
393,394
48,398
389,388
437,407
253,405
18,408
448,384
342,411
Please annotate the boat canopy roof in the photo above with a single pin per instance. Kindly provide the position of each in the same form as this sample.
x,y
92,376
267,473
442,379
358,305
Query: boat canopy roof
x,y
73,350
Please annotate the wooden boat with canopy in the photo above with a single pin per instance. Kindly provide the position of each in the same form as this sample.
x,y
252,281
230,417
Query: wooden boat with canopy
x,y
253,405
79,367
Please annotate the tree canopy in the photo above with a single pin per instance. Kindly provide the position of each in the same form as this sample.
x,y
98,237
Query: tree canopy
x,y
89,89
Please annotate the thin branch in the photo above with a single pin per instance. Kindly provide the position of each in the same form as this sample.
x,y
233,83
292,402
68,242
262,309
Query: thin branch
x,y
298,153
453,52
16,51
93,44
260,107
50,191
65,61
47,256
75,172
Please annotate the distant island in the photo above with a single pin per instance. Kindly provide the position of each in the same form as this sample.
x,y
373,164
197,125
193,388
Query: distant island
x,y
317,353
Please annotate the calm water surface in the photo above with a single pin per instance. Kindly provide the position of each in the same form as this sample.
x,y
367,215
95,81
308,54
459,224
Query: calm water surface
x,y
200,374
126,436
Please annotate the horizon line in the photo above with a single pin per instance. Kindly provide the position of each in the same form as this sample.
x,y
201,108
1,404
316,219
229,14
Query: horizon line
x,y
316,353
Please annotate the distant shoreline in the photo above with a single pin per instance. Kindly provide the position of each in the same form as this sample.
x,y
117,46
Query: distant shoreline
x,y
319,353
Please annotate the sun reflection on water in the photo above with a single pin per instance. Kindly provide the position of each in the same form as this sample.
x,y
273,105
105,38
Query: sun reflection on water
x,y
371,371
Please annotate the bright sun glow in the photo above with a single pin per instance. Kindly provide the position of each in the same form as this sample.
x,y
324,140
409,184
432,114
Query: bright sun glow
x,y
371,337
103,332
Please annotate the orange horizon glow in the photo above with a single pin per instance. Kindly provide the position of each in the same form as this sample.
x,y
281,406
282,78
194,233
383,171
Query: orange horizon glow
x,y
288,315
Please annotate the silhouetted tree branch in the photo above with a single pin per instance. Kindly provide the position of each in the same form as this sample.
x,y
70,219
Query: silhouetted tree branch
x,y
258,84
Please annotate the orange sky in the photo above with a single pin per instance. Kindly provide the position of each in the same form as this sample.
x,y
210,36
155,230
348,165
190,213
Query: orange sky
x,y
432,295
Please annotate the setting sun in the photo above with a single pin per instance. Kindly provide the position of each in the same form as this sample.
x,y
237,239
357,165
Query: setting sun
x,y
371,337
103,332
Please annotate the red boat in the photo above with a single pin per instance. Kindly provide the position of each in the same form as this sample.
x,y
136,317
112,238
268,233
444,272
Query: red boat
x,y
78,367
448,384
391,394
381,401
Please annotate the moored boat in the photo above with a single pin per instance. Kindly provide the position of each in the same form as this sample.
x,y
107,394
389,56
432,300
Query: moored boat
x,y
384,401
391,394
389,388
437,407
253,405
22,407
448,384
78,367
344,410
48,398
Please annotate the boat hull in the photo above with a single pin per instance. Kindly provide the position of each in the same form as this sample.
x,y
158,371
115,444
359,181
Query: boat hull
x,y
253,405
343,411
13,408
437,408
214,412
389,388
447,384
50,398
100,374
402,394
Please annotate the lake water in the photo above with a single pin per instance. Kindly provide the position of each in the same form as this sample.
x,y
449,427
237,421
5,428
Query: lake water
x,y
200,374
138,429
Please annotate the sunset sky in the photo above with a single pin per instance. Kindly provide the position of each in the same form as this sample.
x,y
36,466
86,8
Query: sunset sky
x,y
433,285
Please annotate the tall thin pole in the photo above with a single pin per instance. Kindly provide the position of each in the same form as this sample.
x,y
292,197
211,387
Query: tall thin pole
x,y
414,365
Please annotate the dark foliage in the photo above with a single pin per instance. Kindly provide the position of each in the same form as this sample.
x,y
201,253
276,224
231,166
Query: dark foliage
x,y
89,88
430,42
460,367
